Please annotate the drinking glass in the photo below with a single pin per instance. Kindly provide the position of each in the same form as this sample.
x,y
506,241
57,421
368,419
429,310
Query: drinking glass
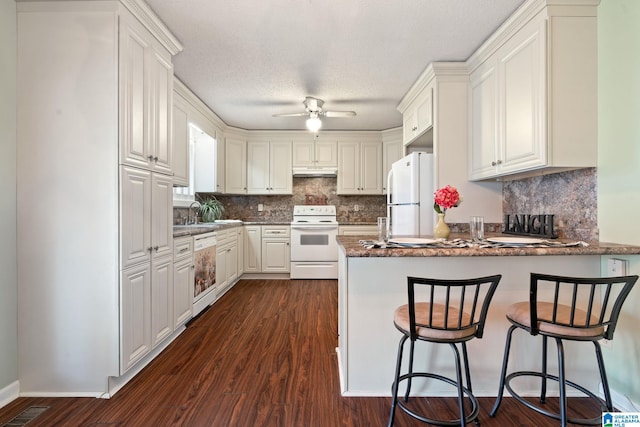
x,y
477,228
383,230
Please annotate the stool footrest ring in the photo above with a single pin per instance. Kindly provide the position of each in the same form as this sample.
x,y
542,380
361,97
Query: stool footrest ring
x,y
582,421
475,407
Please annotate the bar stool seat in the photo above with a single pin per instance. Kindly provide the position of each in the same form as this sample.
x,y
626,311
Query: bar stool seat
x,y
565,309
455,312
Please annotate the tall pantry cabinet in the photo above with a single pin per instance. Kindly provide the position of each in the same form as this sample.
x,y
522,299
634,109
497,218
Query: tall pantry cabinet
x,y
94,193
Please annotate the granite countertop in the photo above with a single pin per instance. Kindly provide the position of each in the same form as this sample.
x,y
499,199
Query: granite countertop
x,y
354,248
208,227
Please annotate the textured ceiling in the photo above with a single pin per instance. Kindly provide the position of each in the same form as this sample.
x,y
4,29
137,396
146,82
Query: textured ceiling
x,y
251,59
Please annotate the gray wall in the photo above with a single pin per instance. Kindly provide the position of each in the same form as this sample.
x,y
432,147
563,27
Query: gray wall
x,y
8,276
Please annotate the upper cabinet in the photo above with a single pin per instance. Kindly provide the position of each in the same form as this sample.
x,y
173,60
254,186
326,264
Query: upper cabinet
x,y
360,168
533,87
180,143
235,166
269,166
392,150
146,89
315,154
418,117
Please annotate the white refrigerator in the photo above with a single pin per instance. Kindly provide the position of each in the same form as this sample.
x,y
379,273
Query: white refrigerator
x,y
410,188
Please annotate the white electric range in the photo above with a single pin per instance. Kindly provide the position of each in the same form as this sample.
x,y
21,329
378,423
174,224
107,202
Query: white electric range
x,y
314,249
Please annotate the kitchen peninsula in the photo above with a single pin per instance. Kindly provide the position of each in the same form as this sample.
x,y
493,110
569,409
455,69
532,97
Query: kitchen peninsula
x,y
372,283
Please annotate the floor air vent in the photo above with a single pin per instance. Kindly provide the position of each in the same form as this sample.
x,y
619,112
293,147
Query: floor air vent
x,y
26,416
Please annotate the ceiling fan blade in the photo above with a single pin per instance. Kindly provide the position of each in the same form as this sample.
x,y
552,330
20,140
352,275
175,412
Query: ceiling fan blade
x,y
339,113
291,115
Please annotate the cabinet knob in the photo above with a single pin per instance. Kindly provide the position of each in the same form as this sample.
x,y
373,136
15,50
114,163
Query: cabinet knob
x,y
415,128
499,162
155,248
149,249
493,163
155,159
150,157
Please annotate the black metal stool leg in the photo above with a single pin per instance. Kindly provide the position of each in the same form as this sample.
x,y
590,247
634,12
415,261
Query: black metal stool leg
x,y
543,382
460,383
465,360
394,390
408,390
561,383
503,374
603,377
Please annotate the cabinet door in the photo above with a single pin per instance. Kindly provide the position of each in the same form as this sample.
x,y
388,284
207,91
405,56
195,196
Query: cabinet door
x,y
258,167
161,299
348,168
160,107
220,168
276,256
221,267
240,240
326,154
483,104
409,125
180,143
161,215
135,312
303,154
252,249
135,216
371,168
236,166
521,74
134,95
424,111
182,291
280,174
391,152
232,262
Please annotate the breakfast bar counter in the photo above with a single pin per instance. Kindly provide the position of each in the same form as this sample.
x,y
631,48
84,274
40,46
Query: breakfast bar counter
x,y
372,283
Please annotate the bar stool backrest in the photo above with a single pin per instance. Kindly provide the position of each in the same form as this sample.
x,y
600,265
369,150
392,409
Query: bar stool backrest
x,y
453,304
578,302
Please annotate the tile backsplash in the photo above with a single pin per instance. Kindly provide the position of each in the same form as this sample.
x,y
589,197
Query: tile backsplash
x,y
570,196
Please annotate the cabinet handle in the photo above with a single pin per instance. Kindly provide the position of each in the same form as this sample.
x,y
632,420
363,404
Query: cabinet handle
x,y
150,157
493,163
183,250
499,162
149,249
415,128
156,248
155,159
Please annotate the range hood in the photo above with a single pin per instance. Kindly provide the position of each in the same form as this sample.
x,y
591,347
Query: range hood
x,y
315,172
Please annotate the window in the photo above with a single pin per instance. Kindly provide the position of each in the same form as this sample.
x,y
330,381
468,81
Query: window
x,y
184,196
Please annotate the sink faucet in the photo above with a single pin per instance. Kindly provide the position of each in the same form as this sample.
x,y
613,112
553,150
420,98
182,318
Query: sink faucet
x,y
194,219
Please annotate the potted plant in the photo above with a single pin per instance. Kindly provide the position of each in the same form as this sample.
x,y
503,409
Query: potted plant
x,y
211,210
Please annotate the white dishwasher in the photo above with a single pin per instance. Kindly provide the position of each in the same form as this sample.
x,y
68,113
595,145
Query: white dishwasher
x,y
204,275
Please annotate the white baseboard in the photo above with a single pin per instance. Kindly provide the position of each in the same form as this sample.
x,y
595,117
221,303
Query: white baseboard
x,y
621,401
9,393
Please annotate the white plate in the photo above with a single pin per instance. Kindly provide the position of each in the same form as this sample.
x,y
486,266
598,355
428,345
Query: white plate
x,y
411,241
515,240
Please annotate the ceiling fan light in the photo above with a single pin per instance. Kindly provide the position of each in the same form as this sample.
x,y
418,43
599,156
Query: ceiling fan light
x,y
314,124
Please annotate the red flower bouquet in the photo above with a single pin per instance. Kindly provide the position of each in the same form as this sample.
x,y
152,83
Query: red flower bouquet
x,y
445,198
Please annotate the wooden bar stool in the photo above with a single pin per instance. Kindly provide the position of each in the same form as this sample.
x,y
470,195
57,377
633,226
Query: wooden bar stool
x,y
572,309
454,312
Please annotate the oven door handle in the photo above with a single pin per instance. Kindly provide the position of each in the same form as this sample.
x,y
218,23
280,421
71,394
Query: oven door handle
x,y
328,227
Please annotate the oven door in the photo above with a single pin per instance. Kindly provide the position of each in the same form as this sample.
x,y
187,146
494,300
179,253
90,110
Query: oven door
x,y
314,242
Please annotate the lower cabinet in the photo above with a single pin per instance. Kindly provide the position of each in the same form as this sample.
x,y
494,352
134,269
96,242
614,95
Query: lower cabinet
x,y
226,259
267,249
182,280
161,299
135,322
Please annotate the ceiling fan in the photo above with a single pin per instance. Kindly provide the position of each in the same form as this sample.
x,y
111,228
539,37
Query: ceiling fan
x,y
313,109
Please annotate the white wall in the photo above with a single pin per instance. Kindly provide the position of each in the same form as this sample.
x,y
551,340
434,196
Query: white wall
x,y
8,276
619,171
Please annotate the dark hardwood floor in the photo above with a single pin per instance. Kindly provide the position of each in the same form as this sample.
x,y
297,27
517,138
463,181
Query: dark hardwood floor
x,y
263,355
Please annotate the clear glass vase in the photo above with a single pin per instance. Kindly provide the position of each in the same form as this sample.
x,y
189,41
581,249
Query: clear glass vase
x,y
441,230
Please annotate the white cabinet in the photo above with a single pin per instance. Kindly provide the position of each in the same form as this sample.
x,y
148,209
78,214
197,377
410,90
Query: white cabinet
x,y
161,299
269,166
533,102
208,162
391,151
226,259
418,118
180,143
358,230
360,168
182,280
276,249
146,88
315,154
252,249
240,243
135,315
235,166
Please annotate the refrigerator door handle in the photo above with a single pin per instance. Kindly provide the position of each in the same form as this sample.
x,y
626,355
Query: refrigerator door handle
x,y
404,204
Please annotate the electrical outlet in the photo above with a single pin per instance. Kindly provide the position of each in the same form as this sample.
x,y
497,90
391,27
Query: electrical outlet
x,y
260,207
616,267
356,208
